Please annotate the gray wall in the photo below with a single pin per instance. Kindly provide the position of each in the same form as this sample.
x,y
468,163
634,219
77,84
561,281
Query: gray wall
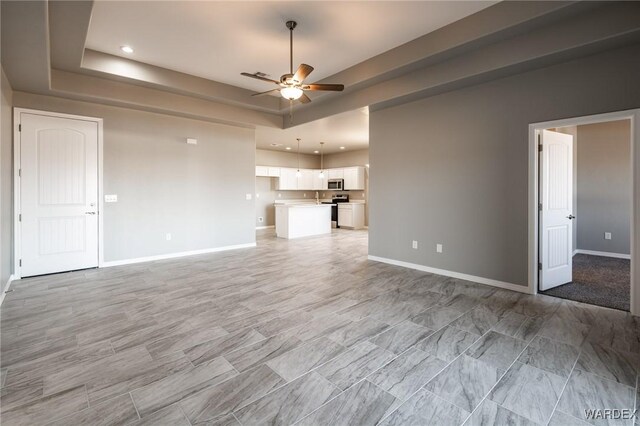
x,y
266,157
196,193
453,168
347,158
604,186
6,182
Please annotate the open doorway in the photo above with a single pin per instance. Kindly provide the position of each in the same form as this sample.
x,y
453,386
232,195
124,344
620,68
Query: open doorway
x,y
585,175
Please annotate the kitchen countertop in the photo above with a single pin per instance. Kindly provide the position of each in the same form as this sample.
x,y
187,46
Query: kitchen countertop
x,y
302,205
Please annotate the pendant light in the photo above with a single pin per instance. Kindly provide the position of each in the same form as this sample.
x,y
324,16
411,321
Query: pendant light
x,y
321,176
298,174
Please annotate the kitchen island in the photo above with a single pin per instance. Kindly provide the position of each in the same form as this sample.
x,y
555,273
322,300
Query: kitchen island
x,y
302,220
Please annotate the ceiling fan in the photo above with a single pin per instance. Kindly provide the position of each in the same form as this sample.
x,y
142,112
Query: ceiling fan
x,y
292,85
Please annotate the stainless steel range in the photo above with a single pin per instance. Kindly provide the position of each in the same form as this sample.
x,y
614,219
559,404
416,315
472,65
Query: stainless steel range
x,y
338,198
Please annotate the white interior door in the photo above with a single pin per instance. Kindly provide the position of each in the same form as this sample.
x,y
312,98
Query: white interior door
x,y
556,214
58,194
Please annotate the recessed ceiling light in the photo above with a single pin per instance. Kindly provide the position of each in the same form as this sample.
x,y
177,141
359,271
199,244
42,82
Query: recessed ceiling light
x,y
288,148
316,152
126,49
342,147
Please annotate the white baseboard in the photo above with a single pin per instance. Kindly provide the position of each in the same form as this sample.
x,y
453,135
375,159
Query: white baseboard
x,y
473,278
11,279
265,227
174,255
603,253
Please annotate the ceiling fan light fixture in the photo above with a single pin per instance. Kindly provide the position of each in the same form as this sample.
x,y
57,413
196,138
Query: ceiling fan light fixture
x,y
291,93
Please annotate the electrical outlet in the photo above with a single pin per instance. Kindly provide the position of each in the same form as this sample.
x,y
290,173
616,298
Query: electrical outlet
x,y
414,245
111,198
607,235
168,237
438,248
249,196
305,195
261,219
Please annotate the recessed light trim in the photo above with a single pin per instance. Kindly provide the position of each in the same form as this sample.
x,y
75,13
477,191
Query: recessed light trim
x,y
288,148
316,152
342,147
126,49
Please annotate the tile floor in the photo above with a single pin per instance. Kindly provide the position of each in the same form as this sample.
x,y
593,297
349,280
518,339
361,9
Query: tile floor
x,y
305,332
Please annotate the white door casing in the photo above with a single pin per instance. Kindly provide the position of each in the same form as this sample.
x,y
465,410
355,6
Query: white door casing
x,y
556,198
58,194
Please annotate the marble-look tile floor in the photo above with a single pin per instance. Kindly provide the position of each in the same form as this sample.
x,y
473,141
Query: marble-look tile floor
x,y
305,332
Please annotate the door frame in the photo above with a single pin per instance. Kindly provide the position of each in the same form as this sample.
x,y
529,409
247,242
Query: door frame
x,y
533,221
17,235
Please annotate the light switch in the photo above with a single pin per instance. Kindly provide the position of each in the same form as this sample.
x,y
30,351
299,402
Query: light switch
x,y
111,198
248,196
607,235
439,248
414,245
192,141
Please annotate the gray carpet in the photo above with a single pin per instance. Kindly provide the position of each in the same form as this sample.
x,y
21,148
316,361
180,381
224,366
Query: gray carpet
x,y
597,280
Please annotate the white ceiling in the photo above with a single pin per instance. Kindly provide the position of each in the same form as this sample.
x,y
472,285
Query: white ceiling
x,y
218,40
349,129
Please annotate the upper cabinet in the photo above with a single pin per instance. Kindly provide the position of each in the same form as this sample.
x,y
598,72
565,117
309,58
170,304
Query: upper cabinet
x,y
274,171
267,171
310,180
336,173
354,178
305,181
262,171
288,179
320,183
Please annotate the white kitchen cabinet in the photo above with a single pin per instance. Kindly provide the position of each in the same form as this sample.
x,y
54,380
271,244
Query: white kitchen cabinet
x,y
351,215
319,184
336,173
267,171
274,171
305,181
354,178
288,179
262,171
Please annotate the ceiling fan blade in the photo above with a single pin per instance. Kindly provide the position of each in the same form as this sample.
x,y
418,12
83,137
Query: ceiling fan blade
x,y
304,99
330,87
266,93
246,74
302,72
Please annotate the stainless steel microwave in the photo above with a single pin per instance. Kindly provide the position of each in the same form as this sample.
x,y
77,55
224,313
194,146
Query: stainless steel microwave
x,y
336,184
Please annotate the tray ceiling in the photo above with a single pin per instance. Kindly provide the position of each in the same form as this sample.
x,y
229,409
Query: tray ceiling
x,y
218,40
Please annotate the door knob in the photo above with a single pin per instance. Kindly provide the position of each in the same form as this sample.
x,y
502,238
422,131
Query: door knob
x,y
571,217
